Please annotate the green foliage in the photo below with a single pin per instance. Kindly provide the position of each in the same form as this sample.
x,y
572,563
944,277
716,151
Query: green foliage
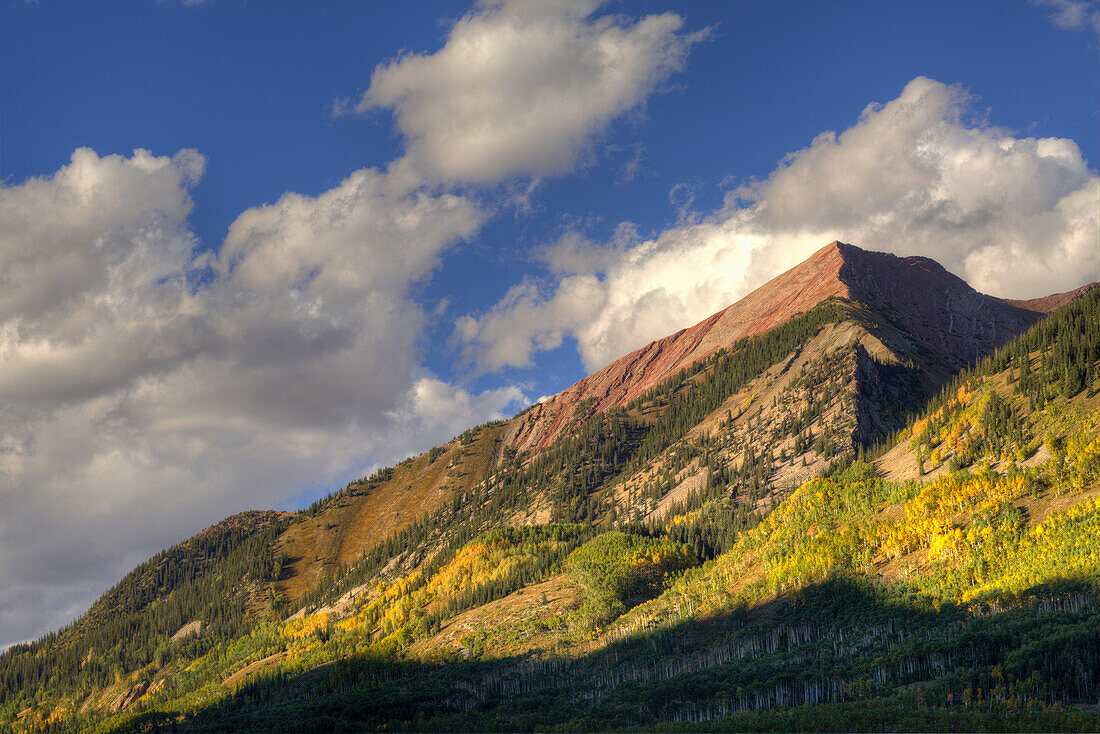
x,y
842,655
1058,357
530,554
616,567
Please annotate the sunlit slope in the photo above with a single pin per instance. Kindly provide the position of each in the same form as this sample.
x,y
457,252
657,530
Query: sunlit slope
x,y
759,417
338,530
772,624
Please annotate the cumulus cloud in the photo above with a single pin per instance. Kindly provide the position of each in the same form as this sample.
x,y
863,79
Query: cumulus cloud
x,y
150,388
94,269
117,205
434,407
374,232
1016,217
522,87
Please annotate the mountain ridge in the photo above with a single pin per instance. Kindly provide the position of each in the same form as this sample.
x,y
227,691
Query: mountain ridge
x,y
836,270
1054,301
371,511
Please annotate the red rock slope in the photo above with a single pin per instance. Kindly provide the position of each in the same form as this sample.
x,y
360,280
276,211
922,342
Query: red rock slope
x,y
1047,304
916,294
797,290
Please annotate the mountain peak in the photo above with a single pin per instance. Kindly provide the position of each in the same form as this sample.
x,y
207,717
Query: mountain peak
x,y
923,298
915,294
795,291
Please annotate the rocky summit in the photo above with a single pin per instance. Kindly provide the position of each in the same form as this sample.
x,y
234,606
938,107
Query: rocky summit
x,y
915,294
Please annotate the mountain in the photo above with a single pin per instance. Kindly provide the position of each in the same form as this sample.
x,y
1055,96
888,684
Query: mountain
x,y
864,492
915,294
903,347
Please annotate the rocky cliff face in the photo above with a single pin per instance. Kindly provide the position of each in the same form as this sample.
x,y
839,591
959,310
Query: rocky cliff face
x,y
915,296
920,297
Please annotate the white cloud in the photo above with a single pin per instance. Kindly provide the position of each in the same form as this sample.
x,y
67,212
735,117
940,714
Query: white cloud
x,y
433,408
1016,217
522,87
1074,15
150,390
374,232
63,236
94,269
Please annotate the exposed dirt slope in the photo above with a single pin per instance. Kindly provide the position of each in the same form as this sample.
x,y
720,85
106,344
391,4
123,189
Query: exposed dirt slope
x,y
363,515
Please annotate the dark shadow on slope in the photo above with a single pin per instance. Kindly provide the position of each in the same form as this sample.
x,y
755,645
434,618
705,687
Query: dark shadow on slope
x,y
864,657
889,394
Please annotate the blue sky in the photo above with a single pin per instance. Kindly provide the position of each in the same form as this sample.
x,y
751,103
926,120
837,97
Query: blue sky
x,y
358,228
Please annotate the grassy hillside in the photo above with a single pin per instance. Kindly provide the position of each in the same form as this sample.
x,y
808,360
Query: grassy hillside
x,y
718,556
